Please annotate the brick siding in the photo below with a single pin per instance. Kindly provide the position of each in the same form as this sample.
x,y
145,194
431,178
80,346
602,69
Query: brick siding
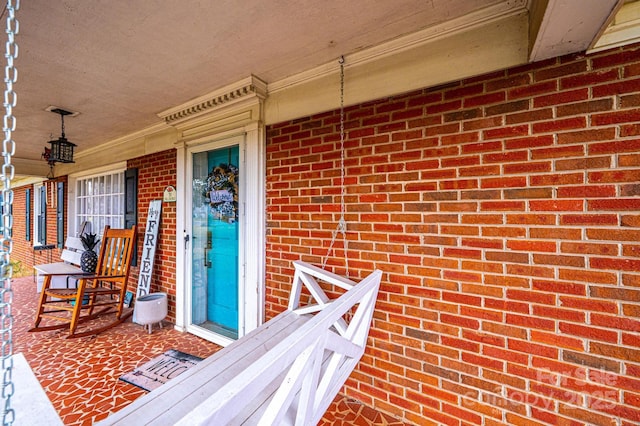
x,y
504,212
155,173
22,251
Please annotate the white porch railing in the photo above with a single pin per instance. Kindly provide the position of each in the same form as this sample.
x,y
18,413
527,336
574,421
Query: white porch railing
x,y
288,371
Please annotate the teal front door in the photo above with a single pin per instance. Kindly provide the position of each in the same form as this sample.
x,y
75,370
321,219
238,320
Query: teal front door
x,y
214,277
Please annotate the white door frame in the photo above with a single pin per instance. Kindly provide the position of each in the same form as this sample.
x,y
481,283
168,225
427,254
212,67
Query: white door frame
x,y
236,110
251,206
251,233
243,288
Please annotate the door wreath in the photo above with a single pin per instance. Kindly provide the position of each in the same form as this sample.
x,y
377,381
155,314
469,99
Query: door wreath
x,y
222,192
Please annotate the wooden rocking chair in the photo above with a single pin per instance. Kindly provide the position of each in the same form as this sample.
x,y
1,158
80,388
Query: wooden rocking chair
x,y
104,290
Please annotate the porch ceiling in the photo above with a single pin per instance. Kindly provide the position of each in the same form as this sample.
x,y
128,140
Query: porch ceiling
x,y
119,63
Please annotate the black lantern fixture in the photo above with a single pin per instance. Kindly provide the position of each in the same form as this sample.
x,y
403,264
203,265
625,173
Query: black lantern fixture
x,y
61,150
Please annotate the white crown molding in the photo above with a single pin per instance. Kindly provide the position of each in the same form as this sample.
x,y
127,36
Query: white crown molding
x,y
496,45
464,23
25,167
156,138
119,166
624,28
122,142
563,31
249,87
20,181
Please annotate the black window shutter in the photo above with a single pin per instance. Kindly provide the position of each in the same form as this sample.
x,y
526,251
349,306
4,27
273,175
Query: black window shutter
x,y
42,218
60,214
27,215
131,205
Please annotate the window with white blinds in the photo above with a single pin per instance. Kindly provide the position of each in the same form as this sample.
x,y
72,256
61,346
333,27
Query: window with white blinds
x,y
100,201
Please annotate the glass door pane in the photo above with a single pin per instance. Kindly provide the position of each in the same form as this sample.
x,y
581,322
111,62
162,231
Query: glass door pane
x,y
214,251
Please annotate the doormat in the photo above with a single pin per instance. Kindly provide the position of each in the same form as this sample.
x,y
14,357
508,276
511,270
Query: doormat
x,y
160,369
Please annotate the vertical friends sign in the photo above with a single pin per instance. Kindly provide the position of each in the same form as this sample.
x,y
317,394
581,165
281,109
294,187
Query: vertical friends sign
x,y
149,247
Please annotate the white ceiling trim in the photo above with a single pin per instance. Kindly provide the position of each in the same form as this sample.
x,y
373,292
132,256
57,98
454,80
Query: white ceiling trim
x,y
122,142
493,46
156,138
571,26
624,29
464,23
30,167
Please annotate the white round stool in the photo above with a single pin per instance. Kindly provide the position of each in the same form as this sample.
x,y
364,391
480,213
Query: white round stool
x,y
150,309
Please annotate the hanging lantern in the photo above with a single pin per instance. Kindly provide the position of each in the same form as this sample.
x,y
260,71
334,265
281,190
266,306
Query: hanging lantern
x,y
61,150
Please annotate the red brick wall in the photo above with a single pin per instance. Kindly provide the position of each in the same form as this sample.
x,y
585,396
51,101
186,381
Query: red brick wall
x,y
23,249
504,211
155,173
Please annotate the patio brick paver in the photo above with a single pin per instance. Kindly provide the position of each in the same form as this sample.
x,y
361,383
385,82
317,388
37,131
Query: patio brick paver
x,y
80,376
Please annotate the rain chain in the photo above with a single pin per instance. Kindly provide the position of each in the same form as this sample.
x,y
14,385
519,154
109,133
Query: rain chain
x,y
6,245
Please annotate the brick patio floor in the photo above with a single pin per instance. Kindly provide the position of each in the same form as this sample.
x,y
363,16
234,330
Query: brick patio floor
x,y
81,376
